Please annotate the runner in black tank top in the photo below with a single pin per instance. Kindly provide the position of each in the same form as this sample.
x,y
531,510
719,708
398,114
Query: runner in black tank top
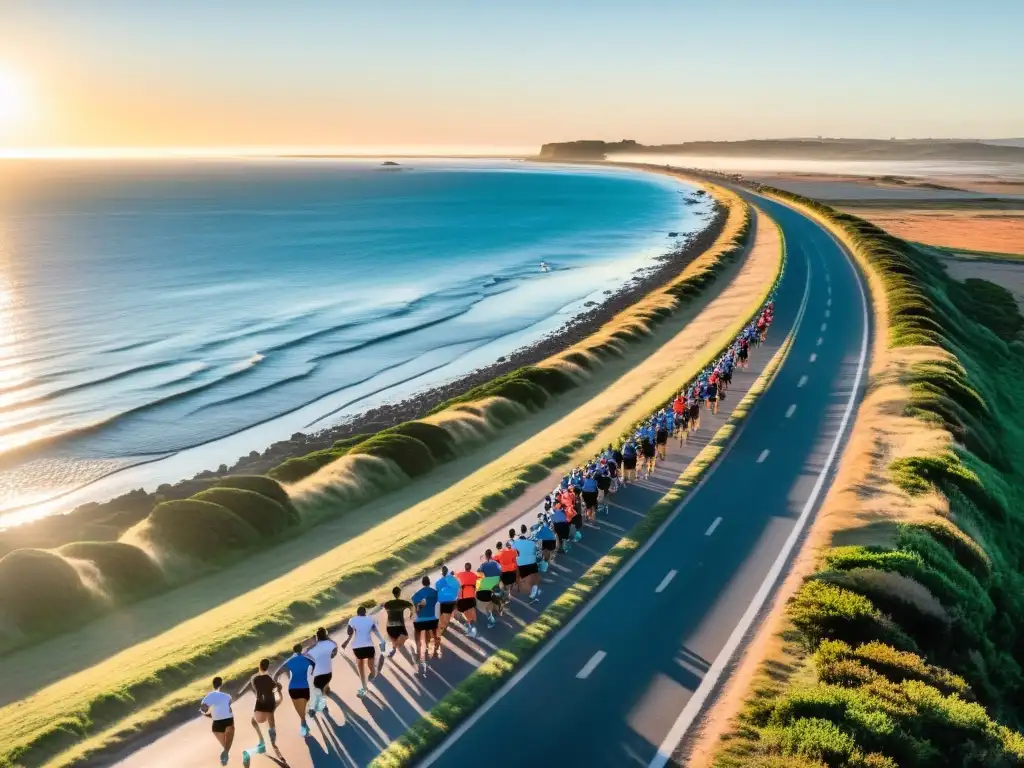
x,y
267,690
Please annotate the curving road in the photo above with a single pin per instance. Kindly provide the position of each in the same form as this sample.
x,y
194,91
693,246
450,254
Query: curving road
x,y
622,682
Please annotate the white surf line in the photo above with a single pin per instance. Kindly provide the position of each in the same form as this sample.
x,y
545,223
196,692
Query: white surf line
x,y
763,456
814,356
591,665
665,582
790,411
711,528
620,574
707,685
803,380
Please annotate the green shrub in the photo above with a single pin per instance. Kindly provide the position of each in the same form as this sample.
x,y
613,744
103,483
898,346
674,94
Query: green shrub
x,y
411,455
438,441
824,611
297,468
128,572
41,591
266,486
201,529
266,516
815,738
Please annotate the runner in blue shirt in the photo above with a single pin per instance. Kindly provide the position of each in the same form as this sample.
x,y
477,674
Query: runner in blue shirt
x,y
548,541
300,669
589,497
424,602
447,595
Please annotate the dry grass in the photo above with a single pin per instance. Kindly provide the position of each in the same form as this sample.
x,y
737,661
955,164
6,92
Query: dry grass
x,y
970,230
395,537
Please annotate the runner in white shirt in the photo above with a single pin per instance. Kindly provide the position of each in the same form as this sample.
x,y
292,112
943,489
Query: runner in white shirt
x,y
361,629
217,706
322,651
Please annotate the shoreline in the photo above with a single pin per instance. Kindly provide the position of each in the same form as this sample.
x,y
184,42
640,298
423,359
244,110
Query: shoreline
x,y
46,531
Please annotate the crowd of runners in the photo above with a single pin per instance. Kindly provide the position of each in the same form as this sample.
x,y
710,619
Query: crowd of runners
x,y
478,594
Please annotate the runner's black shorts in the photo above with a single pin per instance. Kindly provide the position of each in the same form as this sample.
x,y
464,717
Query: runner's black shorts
x,y
265,706
364,653
562,530
465,603
508,578
483,595
549,544
629,462
303,693
447,609
662,436
694,412
712,398
319,681
604,482
649,451
577,521
527,570
425,626
590,498
220,726
396,632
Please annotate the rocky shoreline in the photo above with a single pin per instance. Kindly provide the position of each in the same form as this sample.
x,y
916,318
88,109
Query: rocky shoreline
x,y
106,520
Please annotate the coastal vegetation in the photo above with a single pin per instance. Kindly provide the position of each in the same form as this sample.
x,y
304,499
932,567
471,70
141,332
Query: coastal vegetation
x,y
904,645
260,605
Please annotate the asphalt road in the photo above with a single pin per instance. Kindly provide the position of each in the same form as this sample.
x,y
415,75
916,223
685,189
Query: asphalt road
x,y
625,679
619,684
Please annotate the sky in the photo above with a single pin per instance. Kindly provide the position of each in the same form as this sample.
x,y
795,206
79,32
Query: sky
x,y
94,75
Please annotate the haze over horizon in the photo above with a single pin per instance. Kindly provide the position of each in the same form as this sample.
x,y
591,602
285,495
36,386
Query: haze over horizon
x,y
461,77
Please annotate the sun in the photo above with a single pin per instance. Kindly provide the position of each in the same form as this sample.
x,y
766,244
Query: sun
x,y
13,97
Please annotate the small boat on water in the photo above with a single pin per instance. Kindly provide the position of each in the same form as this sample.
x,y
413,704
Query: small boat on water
x,y
544,267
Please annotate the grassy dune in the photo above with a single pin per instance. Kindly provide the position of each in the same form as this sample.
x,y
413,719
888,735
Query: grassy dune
x,y
132,684
904,644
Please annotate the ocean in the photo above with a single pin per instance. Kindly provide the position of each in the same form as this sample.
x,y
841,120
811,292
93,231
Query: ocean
x,y
161,318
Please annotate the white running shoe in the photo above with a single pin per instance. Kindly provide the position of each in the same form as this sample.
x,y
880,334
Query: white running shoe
x,y
472,632
361,692
423,668
303,731
491,621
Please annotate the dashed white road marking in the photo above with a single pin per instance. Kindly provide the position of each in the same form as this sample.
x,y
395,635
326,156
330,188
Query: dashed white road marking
x,y
829,302
814,356
711,528
828,313
591,665
803,380
820,341
763,456
791,410
665,582
830,290
824,327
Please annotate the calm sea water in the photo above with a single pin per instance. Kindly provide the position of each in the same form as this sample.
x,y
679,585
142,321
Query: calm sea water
x,y
149,309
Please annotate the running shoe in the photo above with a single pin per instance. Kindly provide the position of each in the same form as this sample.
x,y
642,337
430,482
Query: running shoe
x,y
245,759
491,621
361,693
423,668
391,653
224,757
472,632
261,748
303,731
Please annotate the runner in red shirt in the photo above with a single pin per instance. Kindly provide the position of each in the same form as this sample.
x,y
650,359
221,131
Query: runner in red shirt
x,y
466,604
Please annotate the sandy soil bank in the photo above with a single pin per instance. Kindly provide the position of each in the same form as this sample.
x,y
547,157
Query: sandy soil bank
x,y
996,232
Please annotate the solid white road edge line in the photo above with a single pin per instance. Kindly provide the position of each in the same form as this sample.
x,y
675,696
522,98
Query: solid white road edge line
x,y
711,528
664,582
763,456
591,665
696,702
557,638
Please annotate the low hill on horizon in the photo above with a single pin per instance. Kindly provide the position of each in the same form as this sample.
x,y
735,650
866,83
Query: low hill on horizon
x,y
812,149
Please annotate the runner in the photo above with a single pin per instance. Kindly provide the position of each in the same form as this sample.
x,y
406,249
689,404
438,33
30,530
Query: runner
x,y
322,651
268,693
694,413
396,629
647,437
447,597
560,522
713,394
683,422
426,621
529,573
299,668
466,604
661,436
628,462
489,583
590,490
678,410
548,543
506,557
217,706
604,484
361,629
